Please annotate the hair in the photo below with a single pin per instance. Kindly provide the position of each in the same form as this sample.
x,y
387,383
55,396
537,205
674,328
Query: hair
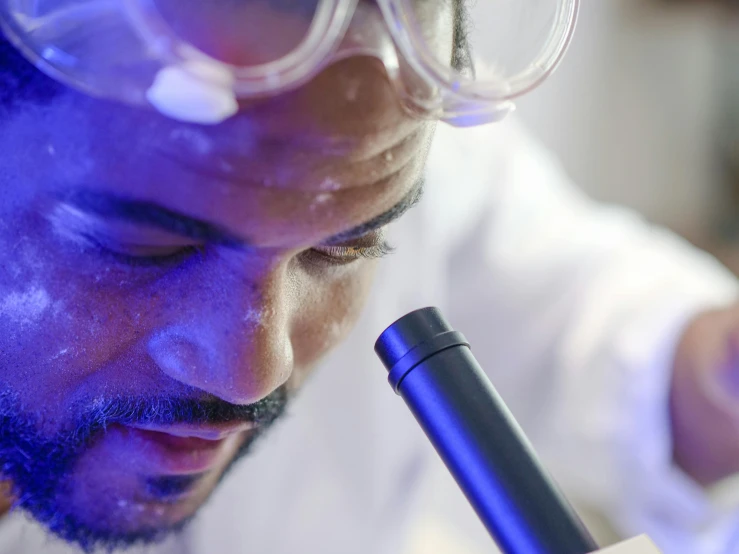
x,y
21,82
461,48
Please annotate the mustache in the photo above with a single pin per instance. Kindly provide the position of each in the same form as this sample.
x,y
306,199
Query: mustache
x,y
95,416
168,410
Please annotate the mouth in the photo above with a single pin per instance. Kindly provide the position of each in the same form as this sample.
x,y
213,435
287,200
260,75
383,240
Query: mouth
x,y
205,432
186,449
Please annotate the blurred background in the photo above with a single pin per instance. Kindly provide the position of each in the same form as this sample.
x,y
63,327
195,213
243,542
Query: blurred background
x,y
643,112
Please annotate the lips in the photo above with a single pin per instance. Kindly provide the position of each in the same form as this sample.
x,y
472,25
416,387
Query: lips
x,y
205,432
185,449
179,444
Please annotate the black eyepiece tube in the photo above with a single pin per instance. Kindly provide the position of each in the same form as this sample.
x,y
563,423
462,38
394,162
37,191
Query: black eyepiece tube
x,y
432,368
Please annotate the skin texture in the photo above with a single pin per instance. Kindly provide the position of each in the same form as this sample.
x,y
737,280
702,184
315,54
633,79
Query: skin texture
x,y
87,318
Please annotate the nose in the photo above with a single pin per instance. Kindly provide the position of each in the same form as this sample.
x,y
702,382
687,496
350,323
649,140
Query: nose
x,y
228,337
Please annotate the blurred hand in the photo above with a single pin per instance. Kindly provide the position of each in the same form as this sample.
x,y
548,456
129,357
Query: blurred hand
x,y
704,398
5,497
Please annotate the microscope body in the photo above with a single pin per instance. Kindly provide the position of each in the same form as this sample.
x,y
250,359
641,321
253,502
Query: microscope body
x,y
432,368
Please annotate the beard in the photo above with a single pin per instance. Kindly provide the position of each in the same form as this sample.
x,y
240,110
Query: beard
x,y
40,468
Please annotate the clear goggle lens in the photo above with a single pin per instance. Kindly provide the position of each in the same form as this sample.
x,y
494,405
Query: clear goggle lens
x,y
514,43
118,48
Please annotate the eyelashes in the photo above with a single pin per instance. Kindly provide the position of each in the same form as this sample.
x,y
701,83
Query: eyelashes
x,y
352,253
169,259
320,255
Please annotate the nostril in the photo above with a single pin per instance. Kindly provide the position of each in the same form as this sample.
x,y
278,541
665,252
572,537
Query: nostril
x,y
176,355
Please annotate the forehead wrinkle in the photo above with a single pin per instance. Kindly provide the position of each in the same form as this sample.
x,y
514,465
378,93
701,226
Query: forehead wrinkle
x,y
335,167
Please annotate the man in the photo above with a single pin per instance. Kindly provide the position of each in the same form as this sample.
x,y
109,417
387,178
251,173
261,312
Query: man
x,y
158,314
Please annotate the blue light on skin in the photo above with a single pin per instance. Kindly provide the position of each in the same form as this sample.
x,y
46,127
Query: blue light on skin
x,y
166,487
119,298
46,470
84,295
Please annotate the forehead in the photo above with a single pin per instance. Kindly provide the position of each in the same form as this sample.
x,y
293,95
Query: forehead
x,y
309,163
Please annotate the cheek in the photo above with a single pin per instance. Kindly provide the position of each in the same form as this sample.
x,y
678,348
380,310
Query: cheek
x,y
57,323
327,313
48,328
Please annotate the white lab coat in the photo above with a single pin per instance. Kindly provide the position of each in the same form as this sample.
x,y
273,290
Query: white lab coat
x,y
572,308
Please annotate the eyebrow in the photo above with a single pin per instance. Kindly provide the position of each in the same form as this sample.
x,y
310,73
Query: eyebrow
x,y
148,213
412,198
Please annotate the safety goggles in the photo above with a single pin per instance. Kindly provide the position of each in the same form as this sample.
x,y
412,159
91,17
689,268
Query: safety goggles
x,y
193,60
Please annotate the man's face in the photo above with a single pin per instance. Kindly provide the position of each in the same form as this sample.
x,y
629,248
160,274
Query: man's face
x,y
165,287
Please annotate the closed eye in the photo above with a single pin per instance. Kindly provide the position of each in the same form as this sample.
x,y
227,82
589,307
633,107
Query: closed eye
x,y
346,254
144,255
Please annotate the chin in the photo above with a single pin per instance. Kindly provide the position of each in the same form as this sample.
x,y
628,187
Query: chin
x,y
118,519
132,525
